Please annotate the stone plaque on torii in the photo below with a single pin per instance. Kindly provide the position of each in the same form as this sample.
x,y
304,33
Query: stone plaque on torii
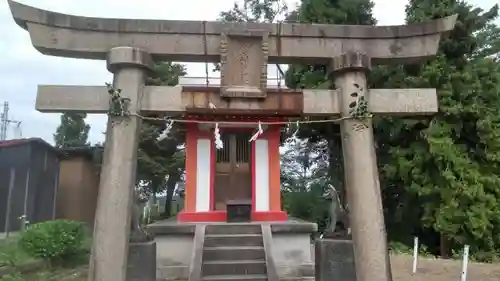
x,y
244,49
243,55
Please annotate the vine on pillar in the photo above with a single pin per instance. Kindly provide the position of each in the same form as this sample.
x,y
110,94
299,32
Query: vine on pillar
x,y
118,106
358,105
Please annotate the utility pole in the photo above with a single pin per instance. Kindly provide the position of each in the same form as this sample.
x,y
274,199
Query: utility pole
x,y
5,121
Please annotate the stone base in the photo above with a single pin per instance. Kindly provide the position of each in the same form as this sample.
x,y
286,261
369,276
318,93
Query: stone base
x,y
334,260
291,248
142,262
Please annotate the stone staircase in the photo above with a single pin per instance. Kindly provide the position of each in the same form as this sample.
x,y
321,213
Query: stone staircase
x,y
234,252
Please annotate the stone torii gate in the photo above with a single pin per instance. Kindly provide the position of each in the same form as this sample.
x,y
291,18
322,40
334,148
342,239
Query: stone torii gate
x,y
245,49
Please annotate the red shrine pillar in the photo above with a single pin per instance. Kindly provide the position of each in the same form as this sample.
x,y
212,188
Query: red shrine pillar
x,y
266,185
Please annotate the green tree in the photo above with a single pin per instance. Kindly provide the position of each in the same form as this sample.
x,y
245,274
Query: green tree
x,y
255,11
441,174
161,159
73,131
315,76
303,180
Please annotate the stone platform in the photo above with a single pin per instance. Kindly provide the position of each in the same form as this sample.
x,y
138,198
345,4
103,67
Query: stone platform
x,y
287,248
334,259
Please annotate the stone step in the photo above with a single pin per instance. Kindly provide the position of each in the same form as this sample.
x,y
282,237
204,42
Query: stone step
x,y
228,240
246,277
234,253
234,228
233,267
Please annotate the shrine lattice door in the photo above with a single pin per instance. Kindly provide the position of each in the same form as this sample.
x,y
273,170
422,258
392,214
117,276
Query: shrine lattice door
x,y
233,176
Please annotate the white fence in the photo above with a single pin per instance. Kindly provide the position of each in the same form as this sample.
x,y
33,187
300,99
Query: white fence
x,y
465,259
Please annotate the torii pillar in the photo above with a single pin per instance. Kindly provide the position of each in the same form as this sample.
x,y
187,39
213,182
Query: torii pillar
x,y
371,255
116,188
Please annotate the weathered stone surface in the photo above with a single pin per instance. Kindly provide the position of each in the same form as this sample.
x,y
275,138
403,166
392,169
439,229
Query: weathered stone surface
x,y
137,232
234,228
351,61
195,270
292,255
290,227
291,247
244,64
110,243
334,260
394,102
362,183
142,262
171,100
95,99
85,37
175,255
267,238
126,56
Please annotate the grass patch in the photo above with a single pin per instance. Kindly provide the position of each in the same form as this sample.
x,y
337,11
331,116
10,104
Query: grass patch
x,y
11,254
17,265
59,274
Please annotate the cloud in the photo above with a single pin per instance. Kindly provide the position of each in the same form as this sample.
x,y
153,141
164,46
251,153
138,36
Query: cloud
x,y
22,68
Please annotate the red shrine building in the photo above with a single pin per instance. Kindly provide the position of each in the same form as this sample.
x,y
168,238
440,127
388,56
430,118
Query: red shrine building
x,y
241,173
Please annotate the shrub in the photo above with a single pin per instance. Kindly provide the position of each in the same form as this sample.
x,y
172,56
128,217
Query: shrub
x,y
55,241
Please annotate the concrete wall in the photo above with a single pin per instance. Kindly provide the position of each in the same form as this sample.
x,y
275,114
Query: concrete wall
x,y
290,249
174,253
292,255
78,190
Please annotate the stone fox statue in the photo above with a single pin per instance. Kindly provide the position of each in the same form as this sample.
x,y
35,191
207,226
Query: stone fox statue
x,y
339,220
137,232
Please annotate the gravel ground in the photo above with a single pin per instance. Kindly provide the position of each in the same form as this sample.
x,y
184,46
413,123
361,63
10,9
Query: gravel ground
x,y
439,269
428,270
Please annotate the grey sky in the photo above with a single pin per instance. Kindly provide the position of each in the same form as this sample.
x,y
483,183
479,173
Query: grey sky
x,y
22,68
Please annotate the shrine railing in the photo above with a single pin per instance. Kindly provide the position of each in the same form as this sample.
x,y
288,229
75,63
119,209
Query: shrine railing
x,y
213,81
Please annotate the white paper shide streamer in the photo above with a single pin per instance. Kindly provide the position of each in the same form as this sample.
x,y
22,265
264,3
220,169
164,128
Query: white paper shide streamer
x,y
259,132
165,132
218,142
293,138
